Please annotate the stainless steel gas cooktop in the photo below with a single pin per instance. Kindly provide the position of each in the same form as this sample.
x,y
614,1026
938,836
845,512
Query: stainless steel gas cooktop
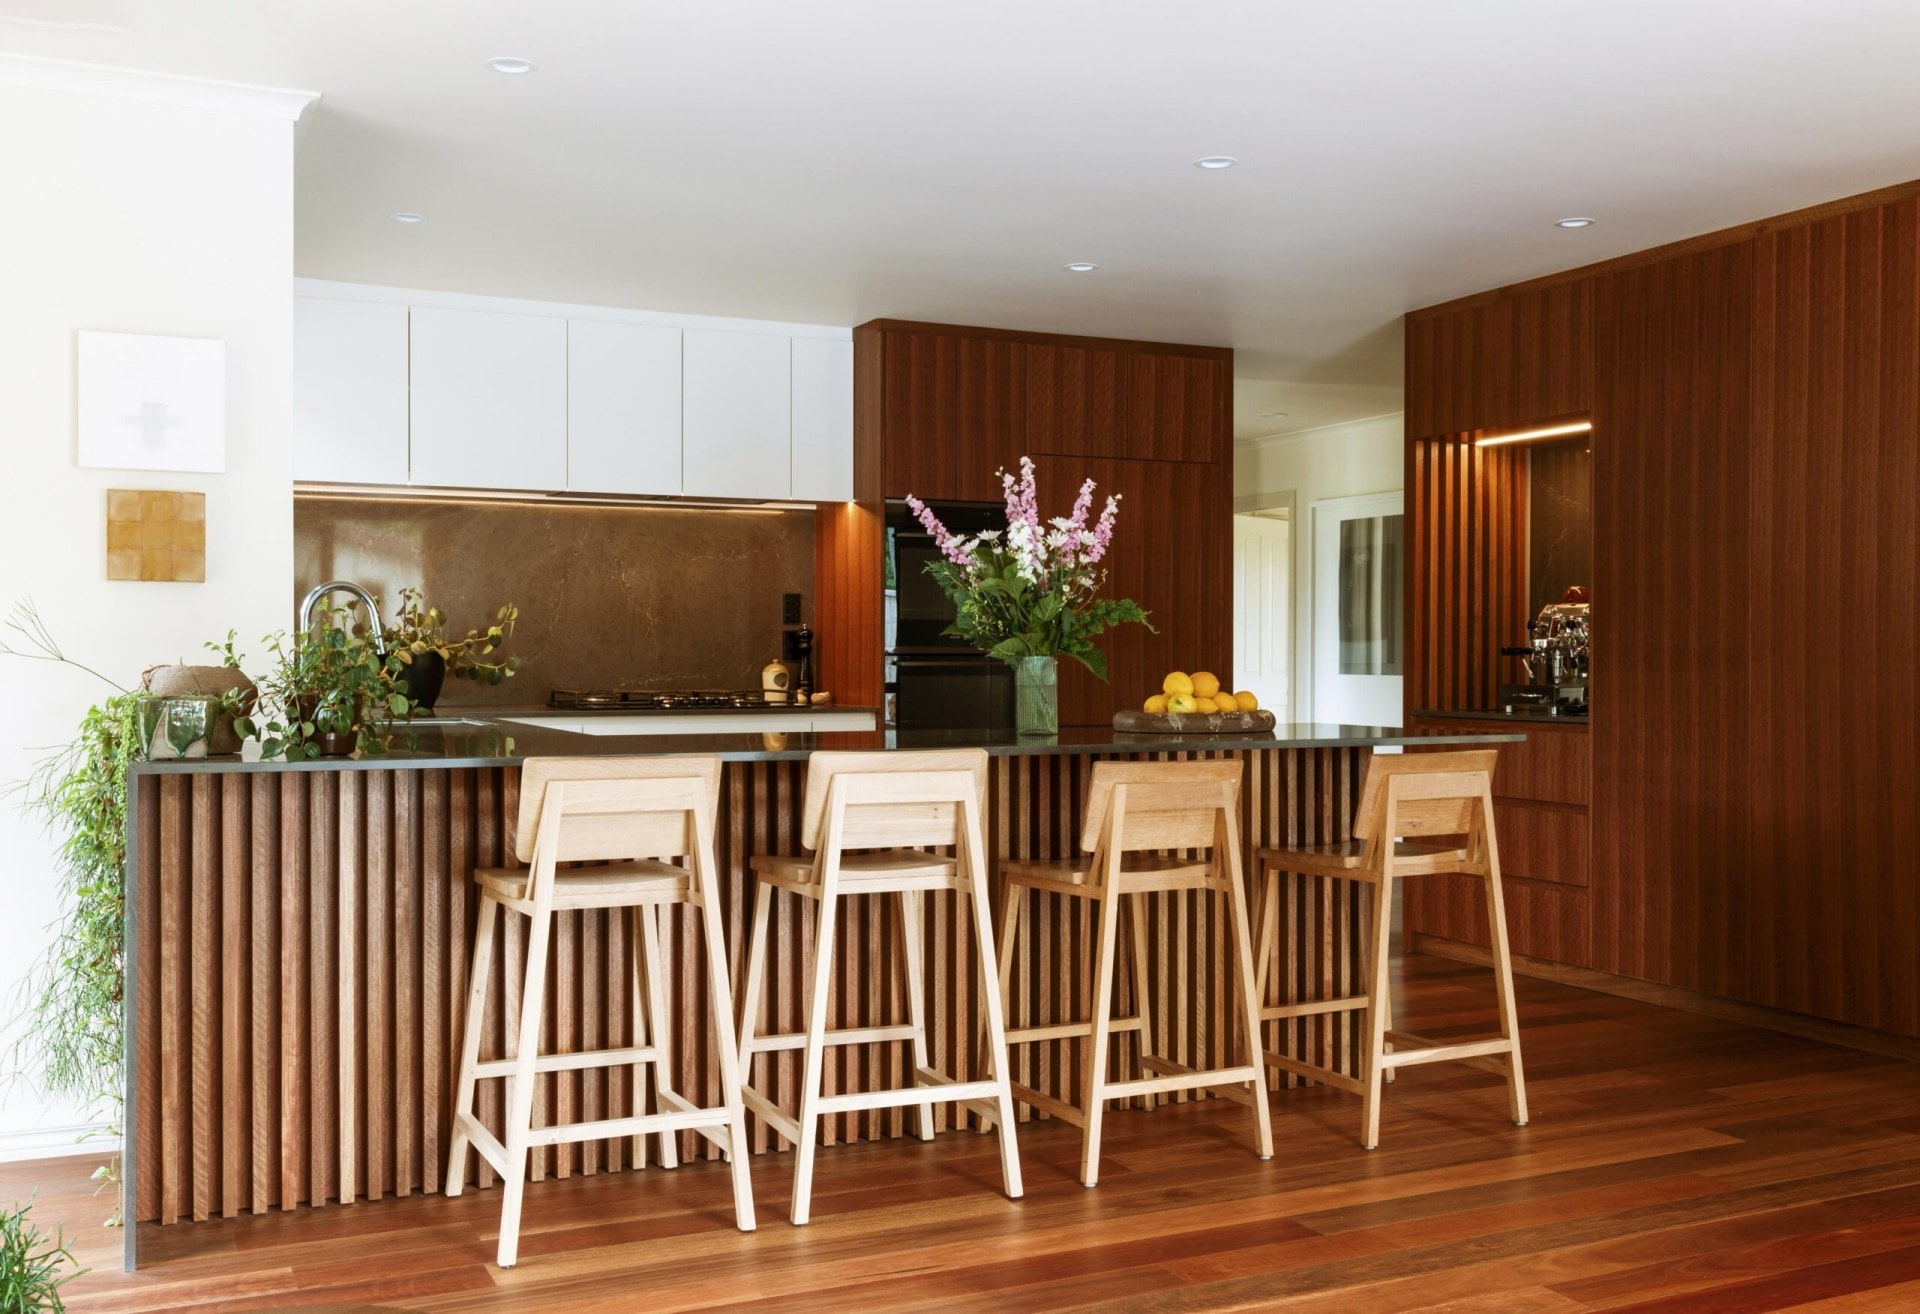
x,y
660,700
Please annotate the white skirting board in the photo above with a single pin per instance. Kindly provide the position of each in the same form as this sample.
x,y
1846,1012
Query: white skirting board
x,y
58,1142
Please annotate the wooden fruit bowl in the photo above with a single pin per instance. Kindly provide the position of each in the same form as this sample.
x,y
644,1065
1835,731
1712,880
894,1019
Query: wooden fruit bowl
x,y
1194,723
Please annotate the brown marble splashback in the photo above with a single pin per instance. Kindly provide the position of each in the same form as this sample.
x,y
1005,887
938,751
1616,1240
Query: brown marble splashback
x,y
1560,520
608,596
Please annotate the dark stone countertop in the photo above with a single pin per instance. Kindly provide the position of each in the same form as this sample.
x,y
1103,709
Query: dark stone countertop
x,y
1527,716
507,744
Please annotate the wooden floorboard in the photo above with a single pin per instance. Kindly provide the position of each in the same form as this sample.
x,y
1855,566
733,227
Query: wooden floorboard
x,y
1675,1162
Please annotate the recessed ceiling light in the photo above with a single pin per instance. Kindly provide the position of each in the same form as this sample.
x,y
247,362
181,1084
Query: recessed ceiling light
x,y
1082,266
1573,223
512,65
408,217
1215,162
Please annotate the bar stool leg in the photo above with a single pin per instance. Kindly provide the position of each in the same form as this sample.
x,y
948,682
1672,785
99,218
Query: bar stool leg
x,y
720,999
811,1080
1107,909
913,961
1011,919
642,1026
1383,894
1249,1005
657,984
1269,915
995,1004
477,983
1509,1007
1144,1042
750,997
1377,1004
520,1090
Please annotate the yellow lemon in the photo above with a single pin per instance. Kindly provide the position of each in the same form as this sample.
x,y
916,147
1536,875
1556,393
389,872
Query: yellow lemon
x,y
1205,706
1180,703
1205,684
1246,701
1157,704
1179,682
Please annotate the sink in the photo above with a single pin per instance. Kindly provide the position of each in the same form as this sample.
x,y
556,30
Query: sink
x,y
443,722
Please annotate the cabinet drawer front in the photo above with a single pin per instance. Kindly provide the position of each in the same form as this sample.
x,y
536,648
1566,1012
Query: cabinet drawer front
x,y
1542,843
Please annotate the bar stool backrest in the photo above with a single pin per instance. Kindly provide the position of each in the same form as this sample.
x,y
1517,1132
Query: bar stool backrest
x,y
613,808
1433,793
1169,805
885,811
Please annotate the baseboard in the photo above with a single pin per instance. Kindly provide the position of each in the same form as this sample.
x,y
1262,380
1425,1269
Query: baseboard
x,y
58,1142
1845,1034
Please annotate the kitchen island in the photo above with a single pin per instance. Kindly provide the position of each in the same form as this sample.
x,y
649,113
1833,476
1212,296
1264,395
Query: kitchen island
x,y
299,937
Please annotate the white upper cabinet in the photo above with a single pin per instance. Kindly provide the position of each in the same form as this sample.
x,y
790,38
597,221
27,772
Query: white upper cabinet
x,y
737,414
489,399
349,391
822,420
623,408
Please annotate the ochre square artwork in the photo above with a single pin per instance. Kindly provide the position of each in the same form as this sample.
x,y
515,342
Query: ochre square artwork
x,y
156,536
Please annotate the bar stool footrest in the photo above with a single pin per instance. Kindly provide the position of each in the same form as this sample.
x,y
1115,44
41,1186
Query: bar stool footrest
x,y
1047,1104
1313,1008
1481,1054
1066,1031
592,1058
1178,1076
1314,1072
844,1036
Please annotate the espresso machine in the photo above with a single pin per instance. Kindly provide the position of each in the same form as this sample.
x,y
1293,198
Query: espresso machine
x,y
1554,659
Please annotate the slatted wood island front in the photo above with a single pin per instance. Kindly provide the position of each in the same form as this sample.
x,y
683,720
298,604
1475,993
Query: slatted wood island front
x,y
299,939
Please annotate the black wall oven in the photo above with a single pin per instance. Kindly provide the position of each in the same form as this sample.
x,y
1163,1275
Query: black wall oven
x,y
937,681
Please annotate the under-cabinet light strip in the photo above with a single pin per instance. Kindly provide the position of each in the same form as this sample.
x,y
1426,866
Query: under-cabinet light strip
x,y
1531,435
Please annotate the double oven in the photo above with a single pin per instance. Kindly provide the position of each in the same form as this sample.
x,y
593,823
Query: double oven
x,y
934,680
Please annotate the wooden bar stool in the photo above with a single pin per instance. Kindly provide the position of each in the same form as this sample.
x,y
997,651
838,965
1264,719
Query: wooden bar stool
x,y
636,815
1140,816
869,819
1420,814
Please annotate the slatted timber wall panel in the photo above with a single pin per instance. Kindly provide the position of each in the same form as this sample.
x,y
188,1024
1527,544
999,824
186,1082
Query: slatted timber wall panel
x,y
1826,914
1466,512
301,943
1507,361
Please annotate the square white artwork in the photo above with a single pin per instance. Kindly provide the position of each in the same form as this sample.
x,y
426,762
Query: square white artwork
x,y
151,403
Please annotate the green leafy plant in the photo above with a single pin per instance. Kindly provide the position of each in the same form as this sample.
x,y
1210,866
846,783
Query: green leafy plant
x,y
1032,589
418,629
30,1264
68,1004
329,685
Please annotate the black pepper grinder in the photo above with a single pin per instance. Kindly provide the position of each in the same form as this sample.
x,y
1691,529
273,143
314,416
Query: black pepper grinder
x,y
803,656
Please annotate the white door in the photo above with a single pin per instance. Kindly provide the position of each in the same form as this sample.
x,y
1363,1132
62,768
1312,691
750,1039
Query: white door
x,y
736,431
623,407
1359,569
489,402
1263,610
822,420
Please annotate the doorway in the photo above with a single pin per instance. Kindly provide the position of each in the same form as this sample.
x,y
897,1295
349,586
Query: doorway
x,y
1359,618
1263,608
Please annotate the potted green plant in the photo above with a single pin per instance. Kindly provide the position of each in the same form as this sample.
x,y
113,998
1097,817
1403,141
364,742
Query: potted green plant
x,y
30,1263
331,691
417,639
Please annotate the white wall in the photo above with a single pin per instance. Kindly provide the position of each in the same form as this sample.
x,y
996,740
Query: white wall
x,y
1340,460
137,217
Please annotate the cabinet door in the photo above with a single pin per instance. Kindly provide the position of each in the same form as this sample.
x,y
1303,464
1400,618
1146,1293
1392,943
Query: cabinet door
x,y
737,417
1175,407
822,420
489,400
349,391
955,413
1073,400
623,408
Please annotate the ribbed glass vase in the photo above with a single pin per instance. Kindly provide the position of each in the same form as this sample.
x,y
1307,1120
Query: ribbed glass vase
x,y
1036,695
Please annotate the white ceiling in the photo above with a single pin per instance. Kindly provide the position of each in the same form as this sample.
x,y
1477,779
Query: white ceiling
x,y
836,160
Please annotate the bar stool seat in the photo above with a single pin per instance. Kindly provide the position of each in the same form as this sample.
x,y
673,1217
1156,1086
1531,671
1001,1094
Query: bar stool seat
x,y
1420,814
628,816
871,821
1144,823
617,885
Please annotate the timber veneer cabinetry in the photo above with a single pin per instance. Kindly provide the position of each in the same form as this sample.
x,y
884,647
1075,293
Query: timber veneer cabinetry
x,y
940,408
1755,397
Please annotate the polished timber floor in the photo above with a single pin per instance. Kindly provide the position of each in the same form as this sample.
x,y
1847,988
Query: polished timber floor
x,y
1675,1162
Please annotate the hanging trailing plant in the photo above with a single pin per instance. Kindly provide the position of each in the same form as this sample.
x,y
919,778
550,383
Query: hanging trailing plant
x,y
69,1003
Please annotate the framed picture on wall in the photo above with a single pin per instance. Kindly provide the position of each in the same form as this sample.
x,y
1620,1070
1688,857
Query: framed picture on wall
x,y
152,403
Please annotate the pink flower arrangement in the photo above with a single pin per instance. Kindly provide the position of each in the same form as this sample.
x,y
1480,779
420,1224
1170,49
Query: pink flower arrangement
x,y
1029,590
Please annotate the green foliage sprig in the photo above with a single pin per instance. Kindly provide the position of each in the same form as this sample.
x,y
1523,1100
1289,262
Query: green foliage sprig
x,y
418,629
30,1264
328,681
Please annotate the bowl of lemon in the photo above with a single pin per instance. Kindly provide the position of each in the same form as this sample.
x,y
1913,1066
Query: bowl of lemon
x,y
1196,704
